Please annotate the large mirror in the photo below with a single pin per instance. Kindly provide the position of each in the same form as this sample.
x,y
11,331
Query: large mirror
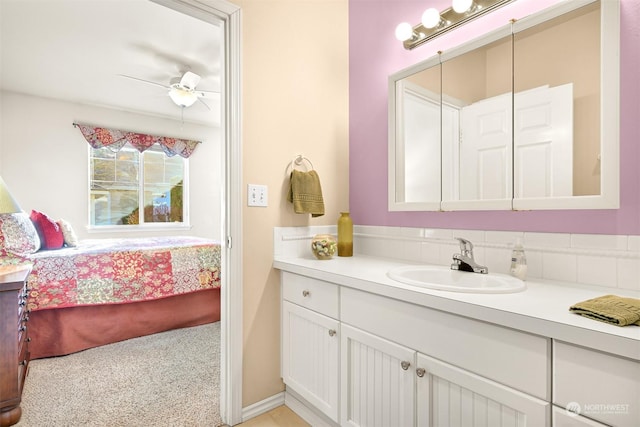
x,y
523,118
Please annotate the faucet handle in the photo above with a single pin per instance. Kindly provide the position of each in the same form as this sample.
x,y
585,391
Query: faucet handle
x,y
466,247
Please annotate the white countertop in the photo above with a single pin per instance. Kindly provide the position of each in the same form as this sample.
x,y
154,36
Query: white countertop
x,y
542,309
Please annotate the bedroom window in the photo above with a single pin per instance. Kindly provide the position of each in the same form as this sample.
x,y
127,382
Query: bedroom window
x,y
132,188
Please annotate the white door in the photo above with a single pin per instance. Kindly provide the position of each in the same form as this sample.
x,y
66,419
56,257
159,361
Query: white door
x,y
543,142
448,396
377,381
418,144
485,149
450,151
310,356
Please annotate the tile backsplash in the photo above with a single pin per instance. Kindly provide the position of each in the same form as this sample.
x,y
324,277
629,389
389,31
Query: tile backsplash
x,y
612,261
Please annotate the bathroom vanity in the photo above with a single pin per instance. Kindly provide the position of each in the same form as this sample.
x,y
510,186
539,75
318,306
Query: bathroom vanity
x,y
361,349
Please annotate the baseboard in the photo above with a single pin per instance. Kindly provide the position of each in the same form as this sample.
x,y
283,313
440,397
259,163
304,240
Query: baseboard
x,y
263,406
298,405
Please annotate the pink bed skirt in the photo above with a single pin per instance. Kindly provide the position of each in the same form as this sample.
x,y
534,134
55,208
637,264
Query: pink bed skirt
x,y
56,332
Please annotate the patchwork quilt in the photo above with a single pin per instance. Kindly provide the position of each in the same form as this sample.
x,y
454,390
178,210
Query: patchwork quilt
x,y
115,271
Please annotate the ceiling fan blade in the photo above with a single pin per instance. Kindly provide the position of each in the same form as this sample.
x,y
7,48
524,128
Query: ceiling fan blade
x,y
144,81
190,80
205,104
207,93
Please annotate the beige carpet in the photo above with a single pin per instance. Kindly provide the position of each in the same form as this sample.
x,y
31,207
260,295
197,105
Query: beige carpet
x,y
166,379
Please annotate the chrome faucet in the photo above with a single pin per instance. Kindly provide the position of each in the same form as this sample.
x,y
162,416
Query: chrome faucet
x,y
464,260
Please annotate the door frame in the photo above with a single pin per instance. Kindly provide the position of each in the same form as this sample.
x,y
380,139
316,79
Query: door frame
x,y
228,16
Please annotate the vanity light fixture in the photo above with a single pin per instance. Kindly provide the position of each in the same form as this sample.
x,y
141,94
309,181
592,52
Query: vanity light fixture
x,y
431,18
435,23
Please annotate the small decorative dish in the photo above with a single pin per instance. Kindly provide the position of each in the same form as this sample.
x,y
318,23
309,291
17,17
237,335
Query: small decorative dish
x,y
323,246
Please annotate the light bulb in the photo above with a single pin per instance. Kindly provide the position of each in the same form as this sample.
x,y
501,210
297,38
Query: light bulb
x,y
404,31
461,6
182,97
430,18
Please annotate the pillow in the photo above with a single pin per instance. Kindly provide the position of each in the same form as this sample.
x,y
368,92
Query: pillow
x,y
18,235
70,238
53,237
37,227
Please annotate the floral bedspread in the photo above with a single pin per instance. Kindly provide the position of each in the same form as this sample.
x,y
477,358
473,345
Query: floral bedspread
x,y
109,271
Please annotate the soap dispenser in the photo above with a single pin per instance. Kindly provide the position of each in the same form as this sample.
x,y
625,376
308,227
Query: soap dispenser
x,y
518,261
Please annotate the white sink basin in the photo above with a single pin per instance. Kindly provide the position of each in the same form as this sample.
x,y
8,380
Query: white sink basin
x,y
445,279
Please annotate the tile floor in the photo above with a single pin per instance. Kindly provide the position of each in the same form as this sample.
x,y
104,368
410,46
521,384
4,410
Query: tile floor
x,y
278,417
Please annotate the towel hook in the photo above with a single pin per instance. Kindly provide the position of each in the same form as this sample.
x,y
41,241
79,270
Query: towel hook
x,y
299,161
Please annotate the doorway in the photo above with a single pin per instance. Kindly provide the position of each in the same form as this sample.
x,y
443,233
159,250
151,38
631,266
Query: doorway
x,y
227,15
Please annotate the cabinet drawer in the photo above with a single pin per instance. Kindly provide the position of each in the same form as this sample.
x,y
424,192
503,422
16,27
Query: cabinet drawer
x,y
22,329
563,418
599,385
516,359
311,293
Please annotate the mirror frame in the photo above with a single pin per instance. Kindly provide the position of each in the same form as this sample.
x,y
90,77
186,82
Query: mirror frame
x,y
609,197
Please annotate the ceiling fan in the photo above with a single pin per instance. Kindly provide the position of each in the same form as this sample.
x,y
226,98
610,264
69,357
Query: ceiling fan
x,y
182,92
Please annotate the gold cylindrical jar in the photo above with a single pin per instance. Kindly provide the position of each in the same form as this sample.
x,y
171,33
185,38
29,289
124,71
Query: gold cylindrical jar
x,y
345,235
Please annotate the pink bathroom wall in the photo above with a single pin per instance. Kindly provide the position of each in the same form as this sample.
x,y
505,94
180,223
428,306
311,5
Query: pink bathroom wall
x,y
375,54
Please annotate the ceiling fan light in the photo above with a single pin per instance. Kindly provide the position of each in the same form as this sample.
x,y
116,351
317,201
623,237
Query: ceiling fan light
x,y
182,98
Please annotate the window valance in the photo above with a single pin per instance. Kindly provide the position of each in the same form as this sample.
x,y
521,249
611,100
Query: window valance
x,y
115,139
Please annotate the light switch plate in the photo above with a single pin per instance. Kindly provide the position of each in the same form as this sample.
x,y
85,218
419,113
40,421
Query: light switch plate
x,y
257,195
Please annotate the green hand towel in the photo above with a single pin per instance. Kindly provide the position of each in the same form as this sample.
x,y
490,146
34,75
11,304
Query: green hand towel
x,y
611,309
305,193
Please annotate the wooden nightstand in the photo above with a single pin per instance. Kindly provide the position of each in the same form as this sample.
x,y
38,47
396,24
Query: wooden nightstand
x,y
14,348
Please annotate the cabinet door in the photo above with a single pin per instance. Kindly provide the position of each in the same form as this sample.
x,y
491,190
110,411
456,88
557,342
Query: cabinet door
x,y
448,396
377,381
310,356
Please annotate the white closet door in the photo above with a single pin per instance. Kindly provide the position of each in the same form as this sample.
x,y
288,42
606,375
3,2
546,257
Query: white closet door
x,y
543,142
310,356
377,381
448,396
450,152
485,149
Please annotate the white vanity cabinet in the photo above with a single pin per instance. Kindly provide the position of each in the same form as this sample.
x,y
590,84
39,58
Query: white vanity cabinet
x,y
386,384
358,353
391,348
310,341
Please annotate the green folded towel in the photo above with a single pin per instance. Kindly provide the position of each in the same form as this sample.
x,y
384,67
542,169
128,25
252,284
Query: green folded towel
x,y
305,193
611,309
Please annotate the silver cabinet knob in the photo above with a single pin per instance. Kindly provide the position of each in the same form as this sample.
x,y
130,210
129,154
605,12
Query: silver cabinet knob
x,y
306,293
405,365
420,372
332,332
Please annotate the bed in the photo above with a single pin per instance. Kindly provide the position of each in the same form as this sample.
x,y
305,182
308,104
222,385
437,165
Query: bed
x,y
92,292
108,290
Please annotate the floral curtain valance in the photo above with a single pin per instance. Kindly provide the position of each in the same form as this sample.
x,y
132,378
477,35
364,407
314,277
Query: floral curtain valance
x,y
115,139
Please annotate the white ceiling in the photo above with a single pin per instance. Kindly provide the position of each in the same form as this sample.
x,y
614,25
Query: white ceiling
x,y
75,50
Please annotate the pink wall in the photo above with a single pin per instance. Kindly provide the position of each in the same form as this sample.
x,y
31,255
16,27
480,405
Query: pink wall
x,y
375,54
